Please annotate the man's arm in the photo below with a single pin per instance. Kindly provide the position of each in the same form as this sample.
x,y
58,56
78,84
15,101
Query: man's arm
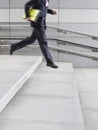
x,y
50,11
27,6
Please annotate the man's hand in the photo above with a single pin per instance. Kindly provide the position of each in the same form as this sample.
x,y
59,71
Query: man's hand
x,y
28,19
54,12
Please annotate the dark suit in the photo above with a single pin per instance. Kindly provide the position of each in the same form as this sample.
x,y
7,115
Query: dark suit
x,y
39,29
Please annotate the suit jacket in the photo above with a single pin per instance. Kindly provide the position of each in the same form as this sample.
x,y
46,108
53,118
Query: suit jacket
x,y
41,5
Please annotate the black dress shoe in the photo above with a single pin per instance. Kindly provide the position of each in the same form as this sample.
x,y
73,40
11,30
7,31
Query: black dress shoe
x,y
11,50
52,65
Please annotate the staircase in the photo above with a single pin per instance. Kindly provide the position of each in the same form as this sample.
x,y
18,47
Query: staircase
x,y
47,101
15,71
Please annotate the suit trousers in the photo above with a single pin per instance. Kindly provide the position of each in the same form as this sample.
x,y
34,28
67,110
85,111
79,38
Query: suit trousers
x,y
40,35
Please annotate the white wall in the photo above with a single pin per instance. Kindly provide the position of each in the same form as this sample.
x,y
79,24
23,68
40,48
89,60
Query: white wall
x,y
64,15
75,16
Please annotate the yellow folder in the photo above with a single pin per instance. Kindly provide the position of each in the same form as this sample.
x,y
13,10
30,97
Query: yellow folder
x,y
34,14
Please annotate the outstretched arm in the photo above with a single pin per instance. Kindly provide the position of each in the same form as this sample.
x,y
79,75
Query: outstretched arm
x,y
50,11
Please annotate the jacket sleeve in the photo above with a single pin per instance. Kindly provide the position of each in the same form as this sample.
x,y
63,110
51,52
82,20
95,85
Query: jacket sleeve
x,y
27,6
50,11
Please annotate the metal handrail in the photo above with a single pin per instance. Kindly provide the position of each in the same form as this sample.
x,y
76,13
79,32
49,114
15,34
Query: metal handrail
x,y
69,51
66,51
53,27
7,24
64,42
68,31
59,29
12,38
60,41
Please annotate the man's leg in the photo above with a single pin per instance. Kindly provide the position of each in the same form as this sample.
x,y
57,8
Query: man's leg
x,y
41,36
23,43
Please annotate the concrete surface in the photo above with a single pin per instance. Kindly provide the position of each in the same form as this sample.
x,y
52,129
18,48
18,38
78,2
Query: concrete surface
x,y
87,80
14,72
48,101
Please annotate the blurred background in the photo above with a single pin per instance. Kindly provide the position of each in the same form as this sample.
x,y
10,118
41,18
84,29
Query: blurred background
x,y
74,15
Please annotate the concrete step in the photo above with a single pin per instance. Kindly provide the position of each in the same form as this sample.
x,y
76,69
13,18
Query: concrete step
x,y
48,101
87,81
14,72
